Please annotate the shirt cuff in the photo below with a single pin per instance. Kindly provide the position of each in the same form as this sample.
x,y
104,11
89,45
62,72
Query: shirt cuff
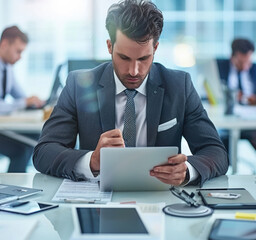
x,y
82,166
193,174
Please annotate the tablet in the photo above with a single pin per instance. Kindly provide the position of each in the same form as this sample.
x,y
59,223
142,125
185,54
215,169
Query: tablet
x,y
230,229
108,222
127,169
244,200
26,207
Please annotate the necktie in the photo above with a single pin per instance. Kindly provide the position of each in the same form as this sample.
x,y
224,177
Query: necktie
x,y
239,80
4,83
129,132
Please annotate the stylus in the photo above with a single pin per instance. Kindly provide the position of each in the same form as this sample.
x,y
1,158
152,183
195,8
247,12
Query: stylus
x,y
17,204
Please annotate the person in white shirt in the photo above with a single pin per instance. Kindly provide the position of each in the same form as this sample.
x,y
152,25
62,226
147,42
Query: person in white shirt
x,y
12,43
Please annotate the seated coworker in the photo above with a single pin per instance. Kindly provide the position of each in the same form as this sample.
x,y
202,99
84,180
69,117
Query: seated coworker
x,y
13,42
239,73
93,104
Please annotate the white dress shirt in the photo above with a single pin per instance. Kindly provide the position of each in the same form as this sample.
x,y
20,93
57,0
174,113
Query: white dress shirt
x,y
83,165
246,82
13,89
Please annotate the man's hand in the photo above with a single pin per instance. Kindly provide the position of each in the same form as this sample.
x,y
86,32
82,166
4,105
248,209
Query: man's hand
x,y
174,172
252,100
112,138
34,101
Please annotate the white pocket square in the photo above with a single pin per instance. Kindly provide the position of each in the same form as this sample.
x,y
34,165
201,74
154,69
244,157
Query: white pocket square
x,y
167,125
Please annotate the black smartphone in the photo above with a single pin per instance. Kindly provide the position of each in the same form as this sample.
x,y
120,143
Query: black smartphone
x,y
26,207
231,229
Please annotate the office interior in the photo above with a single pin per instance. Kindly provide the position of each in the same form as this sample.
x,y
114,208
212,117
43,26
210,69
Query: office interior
x,y
195,33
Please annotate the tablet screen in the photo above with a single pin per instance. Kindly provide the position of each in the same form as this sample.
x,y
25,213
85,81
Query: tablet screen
x,y
110,221
233,229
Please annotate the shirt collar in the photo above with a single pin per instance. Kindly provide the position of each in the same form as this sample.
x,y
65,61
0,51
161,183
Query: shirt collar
x,y
2,64
120,87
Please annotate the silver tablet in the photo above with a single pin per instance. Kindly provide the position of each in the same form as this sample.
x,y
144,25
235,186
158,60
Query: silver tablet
x,y
127,169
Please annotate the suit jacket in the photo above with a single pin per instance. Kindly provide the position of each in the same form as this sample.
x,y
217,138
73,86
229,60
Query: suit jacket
x,y
224,69
86,107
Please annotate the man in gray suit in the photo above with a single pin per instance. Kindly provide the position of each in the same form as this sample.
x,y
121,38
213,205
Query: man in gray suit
x,y
167,107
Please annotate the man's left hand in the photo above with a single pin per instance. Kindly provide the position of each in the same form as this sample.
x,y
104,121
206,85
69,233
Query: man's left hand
x,y
174,172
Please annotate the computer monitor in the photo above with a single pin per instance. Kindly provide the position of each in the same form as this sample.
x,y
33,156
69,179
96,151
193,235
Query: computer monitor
x,y
84,64
56,87
208,76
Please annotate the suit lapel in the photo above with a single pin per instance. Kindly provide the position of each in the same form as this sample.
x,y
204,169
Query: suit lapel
x,y
106,99
155,95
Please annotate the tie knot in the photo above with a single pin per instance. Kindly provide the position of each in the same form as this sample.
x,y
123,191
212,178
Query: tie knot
x,y
130,93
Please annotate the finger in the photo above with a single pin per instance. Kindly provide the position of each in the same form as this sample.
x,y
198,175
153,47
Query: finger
x,y
173,180
113,133
171,169
108,142
170,177
179,158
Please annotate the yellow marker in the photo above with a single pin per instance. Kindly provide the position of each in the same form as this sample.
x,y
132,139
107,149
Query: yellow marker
x,y
248,216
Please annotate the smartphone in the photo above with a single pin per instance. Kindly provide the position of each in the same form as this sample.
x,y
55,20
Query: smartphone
x,y
26,207
231,229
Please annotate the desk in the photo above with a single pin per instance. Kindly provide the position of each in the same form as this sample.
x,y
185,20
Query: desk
x,y
29,121
244,118
57,223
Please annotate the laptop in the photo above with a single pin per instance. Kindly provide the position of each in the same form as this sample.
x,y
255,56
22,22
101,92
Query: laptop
x,y
127,169
10,193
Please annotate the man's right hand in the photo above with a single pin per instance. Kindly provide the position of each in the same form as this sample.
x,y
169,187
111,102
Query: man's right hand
x,y
34,101
112,138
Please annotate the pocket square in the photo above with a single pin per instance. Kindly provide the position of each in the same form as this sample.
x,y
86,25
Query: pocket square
x,y
167,125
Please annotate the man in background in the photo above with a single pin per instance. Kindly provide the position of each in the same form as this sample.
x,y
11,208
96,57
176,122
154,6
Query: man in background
x,y
239,74
12,43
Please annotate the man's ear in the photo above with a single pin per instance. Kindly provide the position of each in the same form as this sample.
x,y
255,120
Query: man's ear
x,y
109,45
5,42
155,47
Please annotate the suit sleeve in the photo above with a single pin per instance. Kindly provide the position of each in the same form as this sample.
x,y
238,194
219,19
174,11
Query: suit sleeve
x,y
55,154
209,154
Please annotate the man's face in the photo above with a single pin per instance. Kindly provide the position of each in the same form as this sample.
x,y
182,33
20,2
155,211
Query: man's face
x,y
242,61
12,50
131,60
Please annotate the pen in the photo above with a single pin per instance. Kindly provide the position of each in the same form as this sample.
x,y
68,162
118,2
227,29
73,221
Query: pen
x,y
17,204
224,195
82,200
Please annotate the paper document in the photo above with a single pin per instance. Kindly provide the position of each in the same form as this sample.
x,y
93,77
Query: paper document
x,y
81,192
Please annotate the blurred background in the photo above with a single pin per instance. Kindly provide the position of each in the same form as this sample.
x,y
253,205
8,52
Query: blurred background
x,y
195,31
61,29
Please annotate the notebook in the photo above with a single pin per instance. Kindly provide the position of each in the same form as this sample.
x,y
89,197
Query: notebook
x,y
127,169
10,193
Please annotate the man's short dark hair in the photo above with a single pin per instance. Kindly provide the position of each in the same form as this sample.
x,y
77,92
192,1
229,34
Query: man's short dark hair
x,y
13,32
139,20
242,45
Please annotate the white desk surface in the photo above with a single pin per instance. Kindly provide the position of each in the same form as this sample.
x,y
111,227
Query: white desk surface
x,y
24,121
57,223
244,117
